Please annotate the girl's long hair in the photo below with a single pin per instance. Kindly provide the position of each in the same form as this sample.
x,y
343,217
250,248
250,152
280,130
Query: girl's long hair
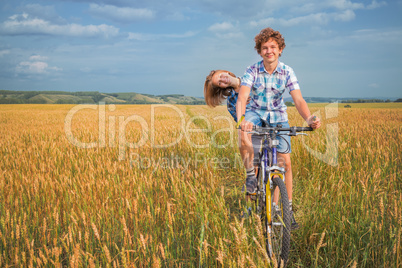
x,y
215,95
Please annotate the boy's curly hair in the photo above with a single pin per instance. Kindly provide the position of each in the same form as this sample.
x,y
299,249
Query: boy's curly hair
x,y
215,95
267,34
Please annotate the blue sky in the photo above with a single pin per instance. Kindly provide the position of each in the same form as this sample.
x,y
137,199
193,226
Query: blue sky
x,y
338,48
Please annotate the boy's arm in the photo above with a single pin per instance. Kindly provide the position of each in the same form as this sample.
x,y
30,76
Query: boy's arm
x,y
303,109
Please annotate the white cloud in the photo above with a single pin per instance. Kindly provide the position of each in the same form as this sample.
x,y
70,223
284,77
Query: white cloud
x,y
313,12
374,4
139,37
219,27
184,35
45,12
225,30
177,16
35,65
347,15
4,52
121,14
314,20
263,22
24,24
37,58
260,9
239,9
233,35
147,37
345,4
389,37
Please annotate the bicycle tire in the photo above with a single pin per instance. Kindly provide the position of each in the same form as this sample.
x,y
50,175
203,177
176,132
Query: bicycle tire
x,y
278,230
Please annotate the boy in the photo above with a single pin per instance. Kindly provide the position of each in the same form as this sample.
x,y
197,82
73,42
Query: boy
x,y
265,82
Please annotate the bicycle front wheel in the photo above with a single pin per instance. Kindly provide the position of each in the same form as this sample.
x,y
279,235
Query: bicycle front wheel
x,y
278,230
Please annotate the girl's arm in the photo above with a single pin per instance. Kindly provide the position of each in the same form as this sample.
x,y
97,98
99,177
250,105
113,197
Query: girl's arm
x,y
236,84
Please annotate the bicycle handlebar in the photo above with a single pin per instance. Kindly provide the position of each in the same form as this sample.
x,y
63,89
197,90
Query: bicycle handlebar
x,y
292,129
278,128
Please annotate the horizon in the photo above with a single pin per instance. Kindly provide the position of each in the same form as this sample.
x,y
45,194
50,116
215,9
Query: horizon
x,y
160,48
201,97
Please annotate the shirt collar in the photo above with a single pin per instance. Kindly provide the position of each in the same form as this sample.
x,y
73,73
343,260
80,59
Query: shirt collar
x,y
261,67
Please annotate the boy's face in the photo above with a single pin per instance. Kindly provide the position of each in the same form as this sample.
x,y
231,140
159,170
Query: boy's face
x,y
270,51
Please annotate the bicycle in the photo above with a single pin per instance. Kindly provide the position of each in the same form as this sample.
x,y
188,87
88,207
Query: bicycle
x,y
272,205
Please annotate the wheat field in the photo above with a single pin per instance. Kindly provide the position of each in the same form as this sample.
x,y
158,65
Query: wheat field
x,y
160,186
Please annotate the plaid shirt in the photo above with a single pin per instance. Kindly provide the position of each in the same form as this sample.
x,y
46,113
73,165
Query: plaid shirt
x,y
231,103
267,90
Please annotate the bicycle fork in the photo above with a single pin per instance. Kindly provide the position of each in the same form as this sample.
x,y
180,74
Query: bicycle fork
x,y
273,171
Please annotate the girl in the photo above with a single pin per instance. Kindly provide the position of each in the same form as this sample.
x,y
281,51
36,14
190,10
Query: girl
x,y
220,85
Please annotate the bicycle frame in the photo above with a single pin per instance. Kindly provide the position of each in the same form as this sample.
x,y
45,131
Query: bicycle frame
x,y
270,174
269,144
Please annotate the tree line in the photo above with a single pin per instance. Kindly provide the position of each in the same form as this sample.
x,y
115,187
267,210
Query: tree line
x,y
369,101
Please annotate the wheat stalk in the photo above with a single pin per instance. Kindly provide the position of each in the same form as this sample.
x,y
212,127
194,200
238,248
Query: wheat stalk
x,y
320,244
95,231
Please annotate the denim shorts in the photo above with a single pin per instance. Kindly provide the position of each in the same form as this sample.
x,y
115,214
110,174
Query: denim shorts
x,y
284,141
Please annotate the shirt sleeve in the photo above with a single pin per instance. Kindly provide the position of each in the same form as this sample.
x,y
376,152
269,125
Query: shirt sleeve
x,y
291,81
248,77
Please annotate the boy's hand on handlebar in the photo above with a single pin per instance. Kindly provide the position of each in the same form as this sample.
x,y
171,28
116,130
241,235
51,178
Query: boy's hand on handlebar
x,y
246,126
314,122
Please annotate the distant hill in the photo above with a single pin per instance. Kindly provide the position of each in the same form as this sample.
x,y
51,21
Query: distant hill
x,y
92,97
342,100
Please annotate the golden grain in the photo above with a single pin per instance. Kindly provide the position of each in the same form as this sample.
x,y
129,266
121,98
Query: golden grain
x,y
96,233
107,254
55,192
162,250
262,250
251,262
91,263
143,242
